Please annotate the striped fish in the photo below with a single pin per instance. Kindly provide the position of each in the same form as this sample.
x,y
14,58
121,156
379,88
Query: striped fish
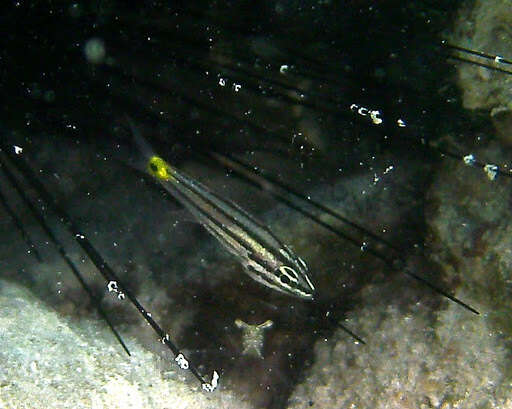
x,y
264,257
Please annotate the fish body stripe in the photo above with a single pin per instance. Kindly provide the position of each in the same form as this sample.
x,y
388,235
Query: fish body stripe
x,y
219,223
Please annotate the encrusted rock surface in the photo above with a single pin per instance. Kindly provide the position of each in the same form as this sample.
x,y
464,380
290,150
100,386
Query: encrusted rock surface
x,y
50,362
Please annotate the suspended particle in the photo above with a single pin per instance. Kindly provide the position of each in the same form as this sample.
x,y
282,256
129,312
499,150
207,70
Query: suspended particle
x,y
374,115
469,159
388,169
112,287
362,111
94,51
491,171
210,387
182,361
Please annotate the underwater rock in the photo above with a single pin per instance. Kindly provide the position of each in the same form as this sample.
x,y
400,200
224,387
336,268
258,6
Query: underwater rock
x,y
485,27
417,356
53,362
472,235
414,358
502,120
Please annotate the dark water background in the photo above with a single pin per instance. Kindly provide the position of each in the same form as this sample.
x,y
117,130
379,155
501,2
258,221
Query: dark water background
x,y
271,83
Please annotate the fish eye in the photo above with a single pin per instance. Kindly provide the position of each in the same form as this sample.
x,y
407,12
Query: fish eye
x,y
153,167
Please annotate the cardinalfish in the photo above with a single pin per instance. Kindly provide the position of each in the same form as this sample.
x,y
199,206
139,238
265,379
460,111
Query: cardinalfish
x,y
264,257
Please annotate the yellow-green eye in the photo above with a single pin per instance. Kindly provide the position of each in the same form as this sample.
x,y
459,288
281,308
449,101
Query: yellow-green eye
x,y
159,168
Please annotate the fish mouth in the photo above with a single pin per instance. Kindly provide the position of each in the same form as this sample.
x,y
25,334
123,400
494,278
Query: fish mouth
x,y
311,297
305,295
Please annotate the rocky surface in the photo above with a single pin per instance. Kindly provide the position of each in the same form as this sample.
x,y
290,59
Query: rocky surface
x,y
484,26
53,362
419,357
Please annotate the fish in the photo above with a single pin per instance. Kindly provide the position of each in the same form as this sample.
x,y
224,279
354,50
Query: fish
x,y
264,257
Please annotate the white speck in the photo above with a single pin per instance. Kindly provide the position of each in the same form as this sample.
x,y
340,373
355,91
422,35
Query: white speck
x,y
362,111
80,236
400,123
210,387
222,82
388,169
18,149
284,68
374,115
33,366
112,287
182,361
469,159
498,59
237,87
491,171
